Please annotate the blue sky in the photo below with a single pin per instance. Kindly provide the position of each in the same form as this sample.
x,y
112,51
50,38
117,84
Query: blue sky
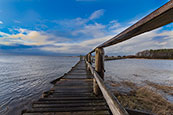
x,y
72,27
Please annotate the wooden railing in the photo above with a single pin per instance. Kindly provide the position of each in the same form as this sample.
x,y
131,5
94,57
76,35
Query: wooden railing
x,y
158,18
113,103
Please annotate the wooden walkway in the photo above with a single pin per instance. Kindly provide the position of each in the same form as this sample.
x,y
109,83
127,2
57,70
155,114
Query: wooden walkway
x,y
72,94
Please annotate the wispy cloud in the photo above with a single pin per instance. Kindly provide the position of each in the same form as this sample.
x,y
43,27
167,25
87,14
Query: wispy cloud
x,y
84,27
76,48
96,14
79,20
114,24
1,22
91,30
29,37
17,21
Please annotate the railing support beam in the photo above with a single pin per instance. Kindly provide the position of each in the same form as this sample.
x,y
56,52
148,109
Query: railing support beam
x,y
99,67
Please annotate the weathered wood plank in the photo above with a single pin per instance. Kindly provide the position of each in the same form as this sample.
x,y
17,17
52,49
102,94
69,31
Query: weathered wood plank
x,y
74,109
69,98
69,101
102,112
68,105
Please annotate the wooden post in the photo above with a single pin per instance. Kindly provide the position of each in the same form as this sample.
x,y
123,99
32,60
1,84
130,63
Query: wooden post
x,y
89,60
86,57
99,62
81,57
99,67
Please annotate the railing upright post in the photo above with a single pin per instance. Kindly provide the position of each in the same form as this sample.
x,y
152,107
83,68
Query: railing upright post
x,y
81,57
99,67
86,57
89,60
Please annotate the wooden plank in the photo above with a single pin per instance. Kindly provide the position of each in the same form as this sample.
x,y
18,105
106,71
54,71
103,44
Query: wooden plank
x,y
75,83
69,101
74,90
74,109
77,79
78,76
69,98
102,112
67,86
68,105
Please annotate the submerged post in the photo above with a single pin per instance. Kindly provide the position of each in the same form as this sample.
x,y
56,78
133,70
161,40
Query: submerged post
x,y
99,67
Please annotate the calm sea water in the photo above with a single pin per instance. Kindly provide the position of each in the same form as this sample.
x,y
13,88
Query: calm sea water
x,y
140,70
24,78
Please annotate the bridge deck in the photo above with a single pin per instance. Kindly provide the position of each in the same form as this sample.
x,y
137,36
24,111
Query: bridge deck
x,y
71,95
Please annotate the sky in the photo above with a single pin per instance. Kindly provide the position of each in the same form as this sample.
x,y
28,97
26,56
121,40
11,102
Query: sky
x,y
74,27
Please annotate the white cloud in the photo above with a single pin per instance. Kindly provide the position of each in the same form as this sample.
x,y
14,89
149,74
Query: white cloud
x,y
85,27
30,37
114,24
1,22
143,42
138,43
76,48
72,23
80,21
17,21
3,34
94,30
96,14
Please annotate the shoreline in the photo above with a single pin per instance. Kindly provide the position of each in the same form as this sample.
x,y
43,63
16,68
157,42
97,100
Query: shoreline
x,y
137,58
150,58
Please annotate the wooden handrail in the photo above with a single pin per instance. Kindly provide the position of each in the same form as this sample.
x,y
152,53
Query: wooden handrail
x,y
156,19
111,100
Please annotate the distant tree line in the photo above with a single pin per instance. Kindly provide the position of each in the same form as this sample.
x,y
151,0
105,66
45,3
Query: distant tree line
x,y
114,57
157,54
